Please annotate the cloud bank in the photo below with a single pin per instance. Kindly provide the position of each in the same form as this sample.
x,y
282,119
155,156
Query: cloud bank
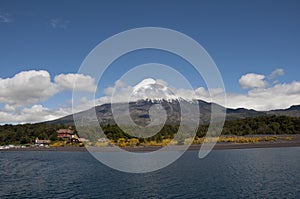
x,y
83,82
21,95
260,96
25,88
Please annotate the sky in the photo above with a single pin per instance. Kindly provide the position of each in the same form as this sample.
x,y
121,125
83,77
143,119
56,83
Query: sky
x,y
254,44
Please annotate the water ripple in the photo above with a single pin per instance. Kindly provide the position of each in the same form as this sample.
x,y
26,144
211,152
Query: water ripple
x,y
253,173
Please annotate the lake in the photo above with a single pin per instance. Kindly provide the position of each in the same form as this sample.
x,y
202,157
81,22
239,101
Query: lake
x,y
239,173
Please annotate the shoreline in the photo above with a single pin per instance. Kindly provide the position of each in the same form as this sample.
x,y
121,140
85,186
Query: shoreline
x,y
218,146
222,146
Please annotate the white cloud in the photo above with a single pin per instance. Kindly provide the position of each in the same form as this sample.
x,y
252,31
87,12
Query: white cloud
x,y
36,113
40,113
31,87
25,88
277,72
59,23
9,108
119,83
21,93
5,18
279,96
83,82
252,80
109,91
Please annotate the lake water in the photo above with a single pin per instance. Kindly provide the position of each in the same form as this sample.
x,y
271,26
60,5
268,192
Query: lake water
x,y
245,173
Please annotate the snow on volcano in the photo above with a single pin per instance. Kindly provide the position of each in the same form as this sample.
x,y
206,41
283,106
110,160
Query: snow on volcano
x,y
150,89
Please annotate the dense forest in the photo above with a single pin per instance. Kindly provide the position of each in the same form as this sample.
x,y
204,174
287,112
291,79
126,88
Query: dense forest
x,y
261,125
27,133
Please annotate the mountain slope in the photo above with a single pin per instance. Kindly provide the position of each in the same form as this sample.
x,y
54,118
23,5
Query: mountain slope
x,y
293,111
139,112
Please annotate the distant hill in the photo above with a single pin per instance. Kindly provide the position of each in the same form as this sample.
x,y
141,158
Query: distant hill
x,y
293,111
139,112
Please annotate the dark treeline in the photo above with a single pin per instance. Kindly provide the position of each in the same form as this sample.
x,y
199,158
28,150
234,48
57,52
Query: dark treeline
x,y
27,133
24,134
248,126
263,125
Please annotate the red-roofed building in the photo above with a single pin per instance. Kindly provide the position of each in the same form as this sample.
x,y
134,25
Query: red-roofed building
x,y
67,134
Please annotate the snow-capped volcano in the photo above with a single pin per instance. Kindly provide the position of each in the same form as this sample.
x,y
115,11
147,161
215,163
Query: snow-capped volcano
x,y
150,89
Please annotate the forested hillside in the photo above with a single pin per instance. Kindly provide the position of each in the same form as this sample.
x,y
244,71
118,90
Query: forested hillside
x,y
27,133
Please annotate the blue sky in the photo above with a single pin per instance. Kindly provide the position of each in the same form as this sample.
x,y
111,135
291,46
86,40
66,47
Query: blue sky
x,y
242,37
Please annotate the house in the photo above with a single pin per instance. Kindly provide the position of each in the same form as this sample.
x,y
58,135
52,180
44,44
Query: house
x,y
68,135
65,133
39,142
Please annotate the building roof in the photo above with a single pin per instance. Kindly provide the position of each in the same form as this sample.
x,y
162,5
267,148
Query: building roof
x,y
65,131
38,141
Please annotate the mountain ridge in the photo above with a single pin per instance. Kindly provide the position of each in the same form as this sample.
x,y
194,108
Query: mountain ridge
x,y
139,111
